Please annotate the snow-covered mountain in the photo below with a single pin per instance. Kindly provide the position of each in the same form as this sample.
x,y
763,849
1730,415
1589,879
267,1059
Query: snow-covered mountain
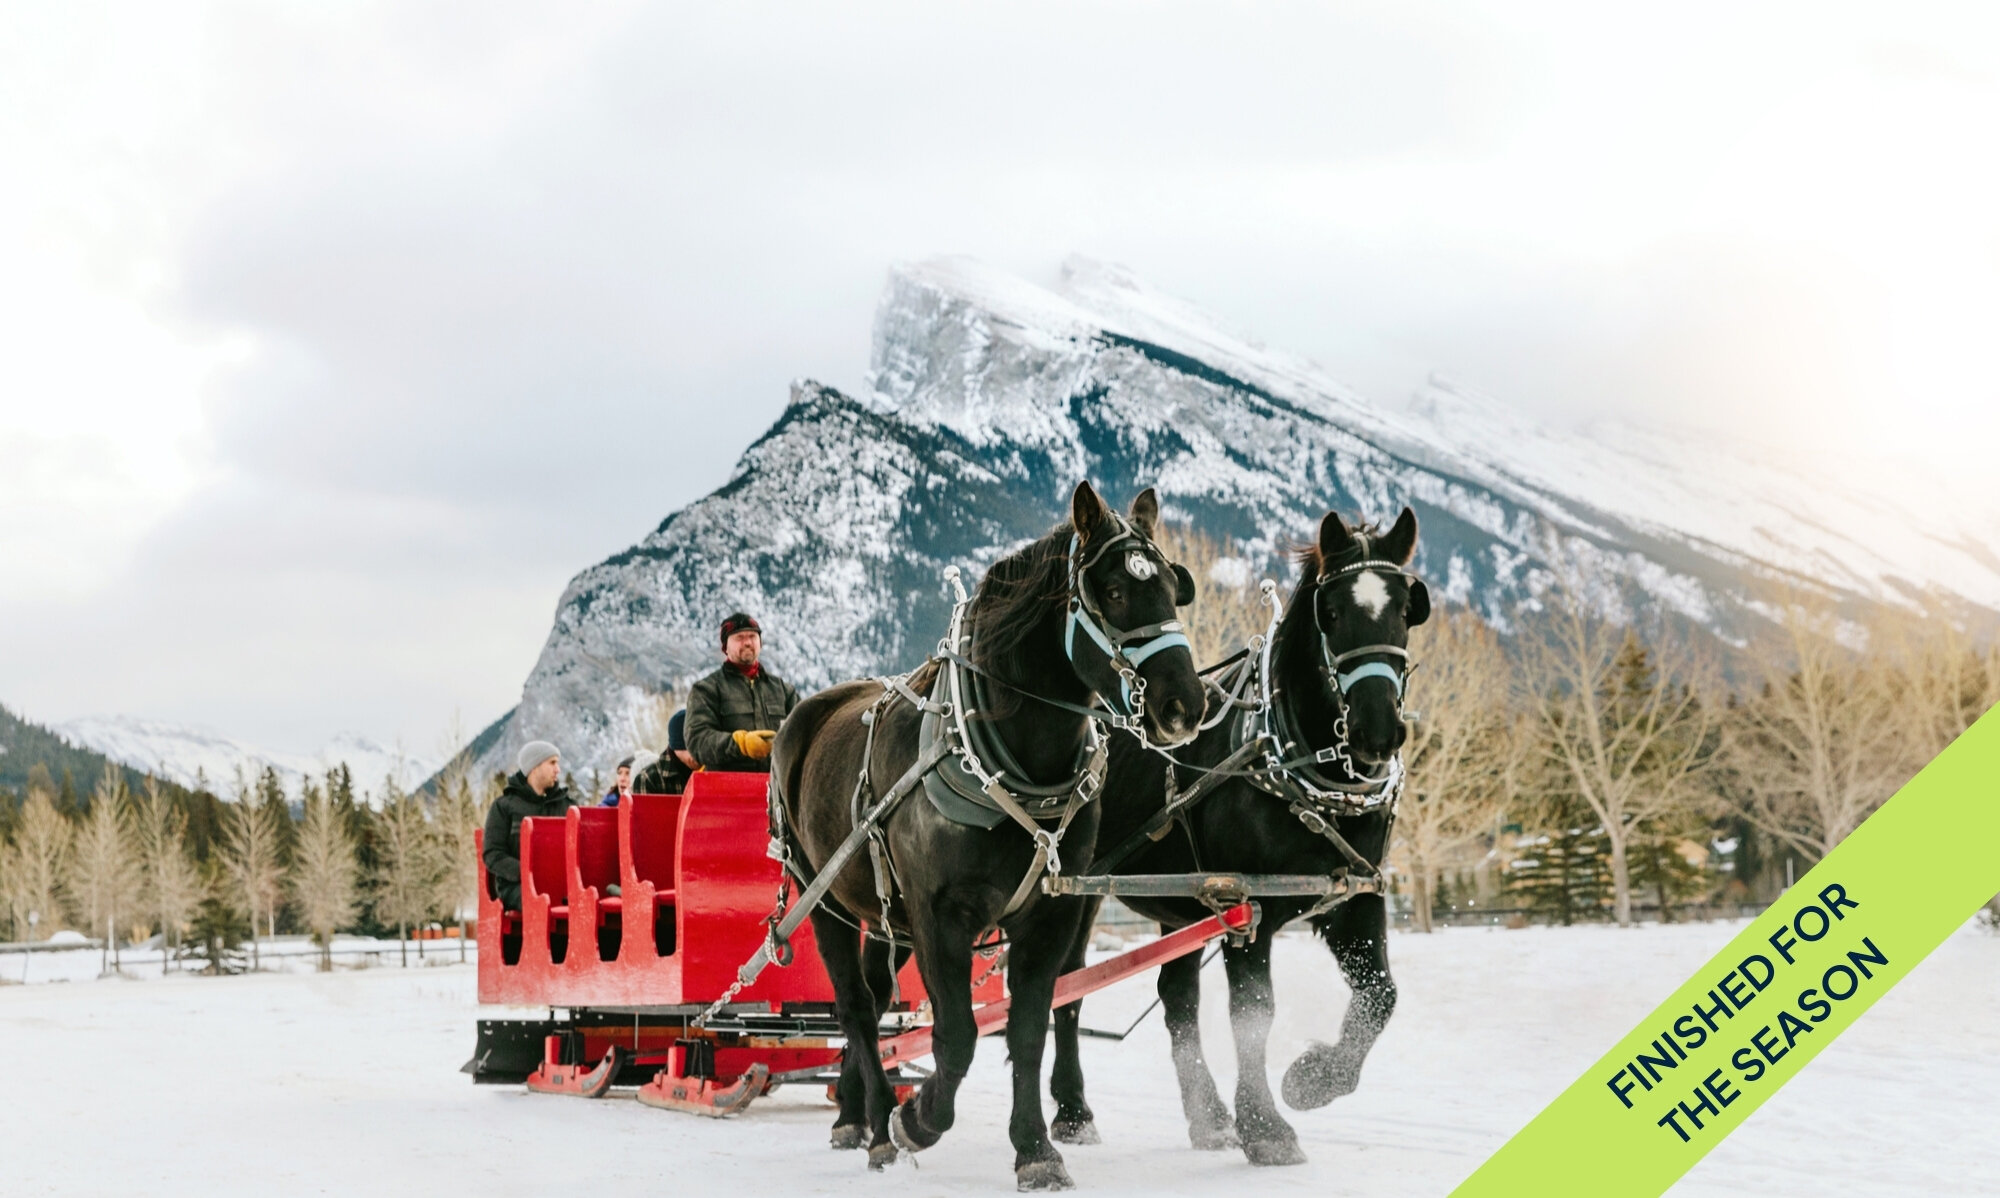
x,y
989,397
184,753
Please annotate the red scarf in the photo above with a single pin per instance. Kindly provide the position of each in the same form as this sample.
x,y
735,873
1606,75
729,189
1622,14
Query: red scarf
x,y
750,671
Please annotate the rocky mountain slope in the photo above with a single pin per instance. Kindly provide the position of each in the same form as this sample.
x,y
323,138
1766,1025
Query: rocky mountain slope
x,y
989,397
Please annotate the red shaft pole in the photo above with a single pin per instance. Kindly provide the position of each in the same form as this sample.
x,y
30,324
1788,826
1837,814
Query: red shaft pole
x,y
990,1018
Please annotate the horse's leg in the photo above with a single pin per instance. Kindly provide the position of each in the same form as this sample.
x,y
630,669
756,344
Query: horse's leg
x,y
1358,935
863,1089
1267,1138
851,1131
1074,1122
1033,962
1209,1125
944,959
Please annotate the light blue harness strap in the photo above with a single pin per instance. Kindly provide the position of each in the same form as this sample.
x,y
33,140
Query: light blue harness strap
x,y
1165,640
1078,618
1374,669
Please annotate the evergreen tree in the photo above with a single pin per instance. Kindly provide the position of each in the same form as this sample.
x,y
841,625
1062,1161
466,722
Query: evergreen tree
x,y
1661,867
219,928
1564,870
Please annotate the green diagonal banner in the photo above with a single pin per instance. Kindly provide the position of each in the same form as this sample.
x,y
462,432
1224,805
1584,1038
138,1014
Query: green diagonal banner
x,y
1796,977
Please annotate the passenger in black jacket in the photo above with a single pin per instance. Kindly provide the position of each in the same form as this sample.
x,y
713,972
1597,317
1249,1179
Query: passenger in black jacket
x,y
669,775
734,713
535,790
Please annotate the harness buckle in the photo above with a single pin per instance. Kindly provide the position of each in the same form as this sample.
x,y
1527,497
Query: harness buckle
x,y
1048,843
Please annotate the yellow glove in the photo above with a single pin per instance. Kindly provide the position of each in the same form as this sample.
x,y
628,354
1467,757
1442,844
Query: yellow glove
x,y
754,745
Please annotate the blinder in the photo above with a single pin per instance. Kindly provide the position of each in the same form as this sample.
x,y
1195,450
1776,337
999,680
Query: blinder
x,y
1420,602
1183,585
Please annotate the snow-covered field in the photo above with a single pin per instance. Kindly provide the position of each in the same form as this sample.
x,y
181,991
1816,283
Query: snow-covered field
x,y
347,1084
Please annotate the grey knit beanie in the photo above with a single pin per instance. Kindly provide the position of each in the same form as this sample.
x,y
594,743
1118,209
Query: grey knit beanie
x,y
534,753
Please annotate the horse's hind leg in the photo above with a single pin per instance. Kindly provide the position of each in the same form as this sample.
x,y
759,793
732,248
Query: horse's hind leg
x,y
1209,1125
863,1089
1033,962
1267,1138
1074,1123
850,1092
1358,935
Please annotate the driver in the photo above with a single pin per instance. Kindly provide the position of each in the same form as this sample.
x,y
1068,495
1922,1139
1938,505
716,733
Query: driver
x,y
733,714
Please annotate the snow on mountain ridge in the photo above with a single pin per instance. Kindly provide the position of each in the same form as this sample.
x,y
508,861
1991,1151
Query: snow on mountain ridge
x,y
1677,484
993,396
187,753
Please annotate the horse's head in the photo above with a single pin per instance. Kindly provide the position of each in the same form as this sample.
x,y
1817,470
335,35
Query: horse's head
x,y
1365,603
1121,635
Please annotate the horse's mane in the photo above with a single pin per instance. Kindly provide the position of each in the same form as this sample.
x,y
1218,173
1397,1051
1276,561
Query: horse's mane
x,y
1308,555
1015,596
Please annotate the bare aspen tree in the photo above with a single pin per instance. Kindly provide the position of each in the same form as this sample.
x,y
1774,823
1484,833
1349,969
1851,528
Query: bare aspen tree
x,y
1818,747
459,814
325,873
405,882
172,882
1227,610
1462,754
250,853
39,866
1628,729
1945,680
106,876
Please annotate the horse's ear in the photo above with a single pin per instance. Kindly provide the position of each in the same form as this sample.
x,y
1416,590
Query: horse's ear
x,y
1334,537
1146,512
1086,510
1401,543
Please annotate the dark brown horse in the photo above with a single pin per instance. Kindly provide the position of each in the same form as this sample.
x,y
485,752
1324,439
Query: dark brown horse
x,y
1337,668
1085,611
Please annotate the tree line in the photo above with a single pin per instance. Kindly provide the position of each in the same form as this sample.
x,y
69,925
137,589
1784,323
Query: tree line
x,y
1584,764
130,863
1580,766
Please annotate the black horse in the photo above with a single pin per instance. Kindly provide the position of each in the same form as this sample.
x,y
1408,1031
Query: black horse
x,y
1337,668
1085,611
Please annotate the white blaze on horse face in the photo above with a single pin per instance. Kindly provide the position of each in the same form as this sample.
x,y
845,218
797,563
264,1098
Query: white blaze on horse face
x,y
1371,594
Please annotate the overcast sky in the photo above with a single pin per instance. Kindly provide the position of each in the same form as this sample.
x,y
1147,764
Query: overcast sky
x,y
334,338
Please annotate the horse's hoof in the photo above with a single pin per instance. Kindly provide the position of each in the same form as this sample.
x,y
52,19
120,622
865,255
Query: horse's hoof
x,y
1274,1152
849,1136
906,1137
880,1157
1075,1131
1040,1176
1213,1137
1317,1078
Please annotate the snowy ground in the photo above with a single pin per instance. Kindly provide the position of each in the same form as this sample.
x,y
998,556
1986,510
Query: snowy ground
x,y
347,1083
